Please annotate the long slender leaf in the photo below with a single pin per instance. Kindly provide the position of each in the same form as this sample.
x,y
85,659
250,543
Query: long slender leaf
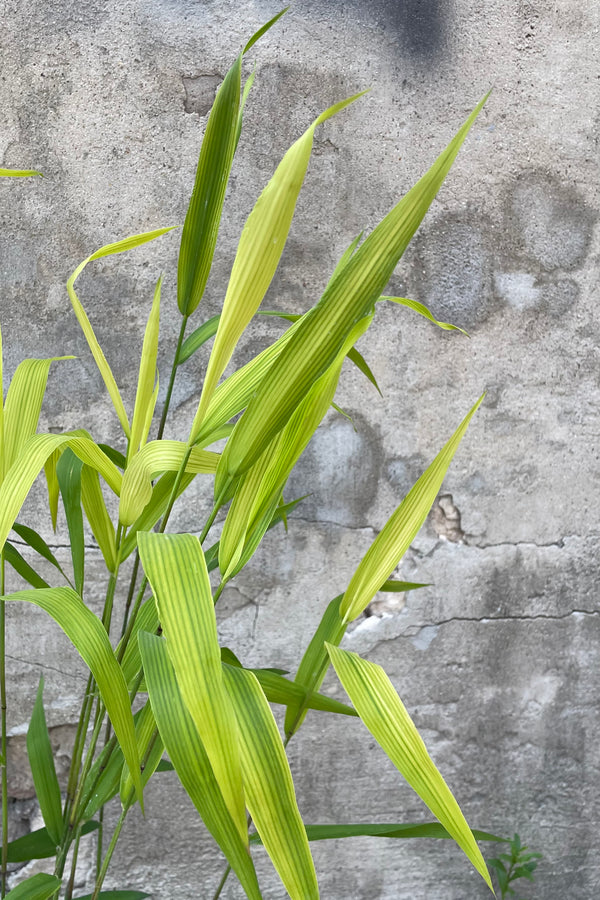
x,y
37,887
176,570
315,662
107,376
146,377
404,830
86,633
154,459
201,227
384,714
68,472
22,567
37,543
18,173
52,485
396,536
423,311
38,844
188,755
278,689
98,516
349,296
269,787
259,250
41,760
150,751
36,451
198,338
260,488
24,403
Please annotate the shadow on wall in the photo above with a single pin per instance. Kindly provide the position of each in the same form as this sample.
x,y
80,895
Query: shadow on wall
x,y
419,24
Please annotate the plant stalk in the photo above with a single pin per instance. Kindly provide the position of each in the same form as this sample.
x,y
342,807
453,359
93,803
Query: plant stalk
x,y
173,375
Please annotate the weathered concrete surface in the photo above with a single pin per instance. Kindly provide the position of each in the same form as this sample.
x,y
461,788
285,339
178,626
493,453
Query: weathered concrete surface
x,y
498,660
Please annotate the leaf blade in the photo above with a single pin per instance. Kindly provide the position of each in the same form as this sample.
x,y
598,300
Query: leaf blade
x,y
385,716
41,761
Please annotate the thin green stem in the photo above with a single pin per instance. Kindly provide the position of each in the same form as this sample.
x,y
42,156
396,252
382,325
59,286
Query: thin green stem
x,y
3,748
131,591
109,852
218,592
217,893
71,881
172,377
209,523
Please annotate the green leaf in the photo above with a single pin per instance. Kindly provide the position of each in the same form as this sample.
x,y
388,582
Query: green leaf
x,y
87,634
107,376
18,173
37,543
115,456
188,755
278,689
41,760
154,509
52,484
35,453
350,295
150,751
234,393
146,620
24,403
399,587
405,831
68,471
98,516
396,536
259,251
268,786
175,567
315,662
198,338
144,407
38,844
201,227
259,490
22,567
152,460
423,311
38,887
385,716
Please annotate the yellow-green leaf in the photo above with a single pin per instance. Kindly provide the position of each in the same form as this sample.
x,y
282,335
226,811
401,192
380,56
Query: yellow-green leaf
x,y
259,251
349,296
35,453
259,490
146,377
107,376
154,509
423,311
150,749
384,714
175,567
152,460
24,403
268,786
87,634
400,530
188,755
97,515
18,173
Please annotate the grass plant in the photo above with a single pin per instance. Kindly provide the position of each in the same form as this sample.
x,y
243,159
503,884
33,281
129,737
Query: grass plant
x,y
202,712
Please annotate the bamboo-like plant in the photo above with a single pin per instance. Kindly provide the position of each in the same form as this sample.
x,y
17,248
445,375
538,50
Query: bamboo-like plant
x,y
204,714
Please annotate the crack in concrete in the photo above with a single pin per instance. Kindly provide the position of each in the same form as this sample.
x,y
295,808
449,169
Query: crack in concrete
x,y
40,665
533,618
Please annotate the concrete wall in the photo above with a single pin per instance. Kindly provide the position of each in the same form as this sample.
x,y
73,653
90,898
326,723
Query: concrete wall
x,y
498,660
